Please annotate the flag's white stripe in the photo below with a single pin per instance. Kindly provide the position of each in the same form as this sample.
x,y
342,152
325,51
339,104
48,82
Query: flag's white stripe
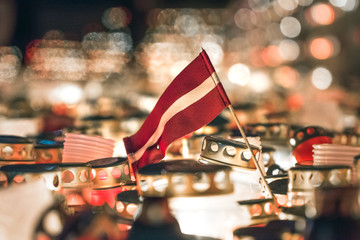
x,y
179,105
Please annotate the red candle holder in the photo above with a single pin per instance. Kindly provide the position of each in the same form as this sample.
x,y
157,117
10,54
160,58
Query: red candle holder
x,y
303,140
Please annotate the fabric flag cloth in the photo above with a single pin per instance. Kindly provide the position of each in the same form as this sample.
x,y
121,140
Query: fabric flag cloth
x,y
193,99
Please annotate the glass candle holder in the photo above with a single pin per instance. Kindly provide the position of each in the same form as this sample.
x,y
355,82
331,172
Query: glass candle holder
x,y
304,179
21,173
303,140
228,152
76,184
110,176
200,196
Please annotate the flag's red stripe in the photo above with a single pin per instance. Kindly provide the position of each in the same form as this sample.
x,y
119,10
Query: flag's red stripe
x,y
188,79
192,118
207,61
184,122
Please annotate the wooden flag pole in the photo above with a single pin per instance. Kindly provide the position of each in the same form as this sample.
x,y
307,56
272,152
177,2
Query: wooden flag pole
x,y
262,181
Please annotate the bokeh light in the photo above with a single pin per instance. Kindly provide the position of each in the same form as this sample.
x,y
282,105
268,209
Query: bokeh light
x,y
245,18
321,48
290,27
10,63
187,25
286,76
93,90
289,50
259,81
345,5
271,56
288,5
116,18
321,78
67,93
320,14
239,74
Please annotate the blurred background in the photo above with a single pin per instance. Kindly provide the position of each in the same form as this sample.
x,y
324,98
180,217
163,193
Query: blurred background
x,y
62,61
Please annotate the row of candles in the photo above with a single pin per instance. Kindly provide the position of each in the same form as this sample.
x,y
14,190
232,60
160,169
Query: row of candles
x,y
214,196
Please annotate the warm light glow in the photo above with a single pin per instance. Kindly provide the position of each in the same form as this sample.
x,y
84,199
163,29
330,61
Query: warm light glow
x,y
147,103
259,82
211,216
187,25
271,56
322,14
239,74
116,173
93,90
131,208
215,52
66,93
102,175
10,63
255,57
321,48
288,5
74,199
290,27
177,67
289,50
119,207
255,210
286,76
245,18
321,78
67,176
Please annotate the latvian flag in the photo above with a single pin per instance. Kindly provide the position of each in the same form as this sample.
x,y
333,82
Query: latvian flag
x,y
193,99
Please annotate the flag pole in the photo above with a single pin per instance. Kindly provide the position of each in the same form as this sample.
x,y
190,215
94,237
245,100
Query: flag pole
x,y
263,184
262,181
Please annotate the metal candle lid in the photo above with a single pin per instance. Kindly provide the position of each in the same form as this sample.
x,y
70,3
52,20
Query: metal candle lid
x,y
16,148
304,179
75,175
21,173
110,172
179,178
47,151
229,152
269,131
261,210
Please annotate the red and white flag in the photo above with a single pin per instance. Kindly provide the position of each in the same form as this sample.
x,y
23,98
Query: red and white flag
x,y
193,99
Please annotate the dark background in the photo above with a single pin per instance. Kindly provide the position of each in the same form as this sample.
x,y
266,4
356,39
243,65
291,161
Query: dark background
x,y
76,17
